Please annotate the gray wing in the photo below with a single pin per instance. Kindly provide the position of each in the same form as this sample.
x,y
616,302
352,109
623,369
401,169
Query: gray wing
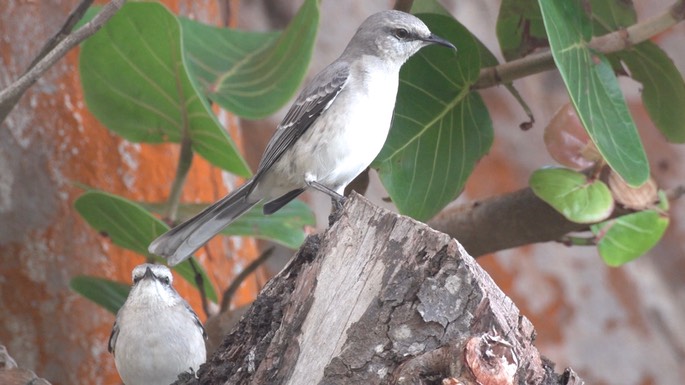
x,y
312,102
113,338
196,319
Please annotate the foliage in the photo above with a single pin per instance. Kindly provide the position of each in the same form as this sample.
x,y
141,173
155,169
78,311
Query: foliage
x,y
149,76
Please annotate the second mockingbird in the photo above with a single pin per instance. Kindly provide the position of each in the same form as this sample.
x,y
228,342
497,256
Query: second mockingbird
x,y
333,131
156,335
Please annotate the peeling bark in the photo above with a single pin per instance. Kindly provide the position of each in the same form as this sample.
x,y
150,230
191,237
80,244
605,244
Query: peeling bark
x,y
380,299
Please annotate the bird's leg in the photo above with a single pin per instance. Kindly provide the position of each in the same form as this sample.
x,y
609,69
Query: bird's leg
x,y
337,200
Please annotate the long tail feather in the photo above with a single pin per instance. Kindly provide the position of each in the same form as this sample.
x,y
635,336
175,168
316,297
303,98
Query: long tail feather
x,y
177,244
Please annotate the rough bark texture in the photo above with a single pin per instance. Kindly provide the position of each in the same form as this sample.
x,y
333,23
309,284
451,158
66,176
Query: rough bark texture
x,y
380,299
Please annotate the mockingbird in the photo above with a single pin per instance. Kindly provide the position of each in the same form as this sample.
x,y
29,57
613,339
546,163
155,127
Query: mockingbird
x,y
333,131
156,335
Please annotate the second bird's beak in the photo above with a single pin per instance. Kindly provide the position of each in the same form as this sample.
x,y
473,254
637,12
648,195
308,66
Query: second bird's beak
x,y
148,274
434,39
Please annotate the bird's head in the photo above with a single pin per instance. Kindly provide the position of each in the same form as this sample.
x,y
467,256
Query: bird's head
x,y
393,36
152,285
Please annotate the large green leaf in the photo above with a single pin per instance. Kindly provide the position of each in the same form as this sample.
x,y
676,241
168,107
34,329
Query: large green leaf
x,y
520,28
594,90
625,238
419,7
135,83
663,88
109,294
251,74
572,194
440,129
132,227
286,226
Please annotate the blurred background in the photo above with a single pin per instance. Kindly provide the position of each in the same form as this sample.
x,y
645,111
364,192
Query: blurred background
x,y
612,325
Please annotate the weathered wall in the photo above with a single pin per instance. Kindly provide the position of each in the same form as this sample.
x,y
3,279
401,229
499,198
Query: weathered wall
x,y
48,142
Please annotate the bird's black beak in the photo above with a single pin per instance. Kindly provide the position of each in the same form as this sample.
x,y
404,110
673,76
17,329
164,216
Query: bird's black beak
x,y
148,274
434,39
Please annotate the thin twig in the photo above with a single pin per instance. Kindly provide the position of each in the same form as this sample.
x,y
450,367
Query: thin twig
x,y
609,43
238,280
10,95
63,32
200,282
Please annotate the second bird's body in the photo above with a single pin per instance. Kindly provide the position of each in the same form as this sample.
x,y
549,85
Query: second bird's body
x,y
156,335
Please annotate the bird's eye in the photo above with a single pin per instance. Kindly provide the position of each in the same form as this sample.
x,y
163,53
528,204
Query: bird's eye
x,y
136,280
401,33
164,280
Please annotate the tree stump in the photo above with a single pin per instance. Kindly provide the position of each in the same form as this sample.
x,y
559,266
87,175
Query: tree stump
x,y
380,298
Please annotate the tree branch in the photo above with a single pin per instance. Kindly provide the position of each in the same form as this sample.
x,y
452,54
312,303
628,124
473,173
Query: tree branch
x,y
376,299
609,43
511,220
11,95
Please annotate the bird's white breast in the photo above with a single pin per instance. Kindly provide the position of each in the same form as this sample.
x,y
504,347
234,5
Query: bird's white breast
x,y
357,127
157,345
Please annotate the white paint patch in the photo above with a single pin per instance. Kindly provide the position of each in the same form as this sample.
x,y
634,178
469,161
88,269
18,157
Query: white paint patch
x,y
6,183
129,155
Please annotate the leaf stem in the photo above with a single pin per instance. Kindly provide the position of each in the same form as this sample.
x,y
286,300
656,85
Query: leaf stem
x,y
185,160
238,280
612,42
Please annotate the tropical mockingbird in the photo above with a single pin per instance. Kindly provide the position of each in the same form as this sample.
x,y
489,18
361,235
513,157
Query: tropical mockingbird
x,y
156,335
333,131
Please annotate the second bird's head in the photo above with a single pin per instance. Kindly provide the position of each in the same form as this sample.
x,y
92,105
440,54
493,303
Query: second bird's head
x,y
152,286
393,36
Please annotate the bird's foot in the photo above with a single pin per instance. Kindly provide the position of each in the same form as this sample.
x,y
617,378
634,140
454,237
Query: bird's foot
x,y
337,204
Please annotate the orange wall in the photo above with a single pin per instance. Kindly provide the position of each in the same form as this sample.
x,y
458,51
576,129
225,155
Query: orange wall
x,y
49,141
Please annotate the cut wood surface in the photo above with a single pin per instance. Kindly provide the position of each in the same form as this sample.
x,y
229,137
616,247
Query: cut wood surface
x,y
380,299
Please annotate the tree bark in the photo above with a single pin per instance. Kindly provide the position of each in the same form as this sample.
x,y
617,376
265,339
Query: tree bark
x,y
380,299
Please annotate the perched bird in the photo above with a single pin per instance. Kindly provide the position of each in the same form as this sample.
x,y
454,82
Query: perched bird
x,y
332,132
156,335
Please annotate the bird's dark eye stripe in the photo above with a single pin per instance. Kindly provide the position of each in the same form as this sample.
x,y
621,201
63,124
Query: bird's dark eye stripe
x,y
137,279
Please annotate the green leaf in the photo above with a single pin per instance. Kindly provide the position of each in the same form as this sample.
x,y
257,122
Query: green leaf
x,y
429,6
663,89
625,238
610,15
109,294
136,84
520,28
286,226
594,90
571,194
132,227
88,16
440,129
663,92
251,74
